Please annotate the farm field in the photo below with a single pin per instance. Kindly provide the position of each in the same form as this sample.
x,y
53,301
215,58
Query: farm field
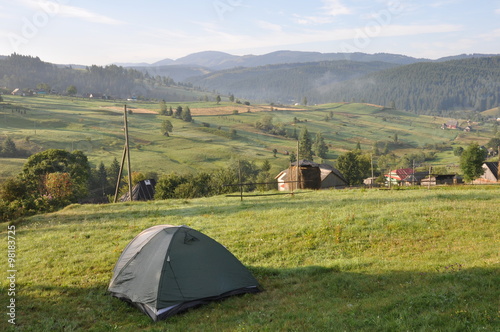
x,y
333,260
96,128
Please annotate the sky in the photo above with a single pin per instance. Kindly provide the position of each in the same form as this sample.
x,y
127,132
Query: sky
x,y
103,32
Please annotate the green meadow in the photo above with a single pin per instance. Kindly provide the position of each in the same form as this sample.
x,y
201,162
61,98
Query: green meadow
x,y
96,128
334,260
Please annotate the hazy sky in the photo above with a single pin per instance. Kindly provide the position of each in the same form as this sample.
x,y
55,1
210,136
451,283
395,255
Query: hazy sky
x,y
106,31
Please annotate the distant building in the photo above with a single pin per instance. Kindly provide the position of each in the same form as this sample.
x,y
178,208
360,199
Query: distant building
x,y
396,176
452,124
442,179
414,179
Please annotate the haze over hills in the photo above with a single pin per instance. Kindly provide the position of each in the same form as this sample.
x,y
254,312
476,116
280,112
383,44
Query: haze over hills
x,y
220,60
469,82
290,76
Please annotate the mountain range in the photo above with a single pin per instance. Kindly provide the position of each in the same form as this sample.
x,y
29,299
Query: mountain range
x,y
215,60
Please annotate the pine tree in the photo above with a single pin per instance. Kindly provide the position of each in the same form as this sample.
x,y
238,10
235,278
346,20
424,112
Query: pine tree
x,y
186,114
178,112
320,147
163,108
102,177
112,172
266,166
9,148
305,145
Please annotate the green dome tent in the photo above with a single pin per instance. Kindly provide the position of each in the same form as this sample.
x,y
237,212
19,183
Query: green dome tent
x,y
168,269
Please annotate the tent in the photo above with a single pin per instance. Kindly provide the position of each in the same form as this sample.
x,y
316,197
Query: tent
x,y
143,191
167,269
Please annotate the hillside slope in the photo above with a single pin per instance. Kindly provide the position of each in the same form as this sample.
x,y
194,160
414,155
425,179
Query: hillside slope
x,y
429,87
95,127
423,88
285,83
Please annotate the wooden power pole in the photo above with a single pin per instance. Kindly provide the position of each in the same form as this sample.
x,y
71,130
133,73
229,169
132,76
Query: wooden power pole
x,y
126,152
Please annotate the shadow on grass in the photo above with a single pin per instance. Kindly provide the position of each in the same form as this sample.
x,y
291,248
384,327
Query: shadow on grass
x,y
312,298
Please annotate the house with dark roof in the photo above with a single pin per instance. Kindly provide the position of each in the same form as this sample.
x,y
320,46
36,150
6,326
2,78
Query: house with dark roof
x,y
414,179
441,179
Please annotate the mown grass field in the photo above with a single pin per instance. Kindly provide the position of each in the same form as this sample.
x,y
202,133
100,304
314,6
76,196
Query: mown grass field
x,y
96,128
337,260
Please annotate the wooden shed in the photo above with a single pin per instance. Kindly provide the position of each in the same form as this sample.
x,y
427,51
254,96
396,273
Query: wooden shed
x,y
309,175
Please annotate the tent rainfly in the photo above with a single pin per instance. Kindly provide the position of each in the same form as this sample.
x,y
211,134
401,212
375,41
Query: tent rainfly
x,y
168,269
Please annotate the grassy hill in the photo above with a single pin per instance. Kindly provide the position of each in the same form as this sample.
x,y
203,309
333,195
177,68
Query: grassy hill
x,y
96,128
339,260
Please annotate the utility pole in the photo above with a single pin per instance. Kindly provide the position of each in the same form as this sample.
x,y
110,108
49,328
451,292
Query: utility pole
x,y
126,152
240,181
298,163
371,162
429,183
413,174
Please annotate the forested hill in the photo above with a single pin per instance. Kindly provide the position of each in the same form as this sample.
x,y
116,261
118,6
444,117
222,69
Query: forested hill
x,y
428,88
286,83
424,87
27,72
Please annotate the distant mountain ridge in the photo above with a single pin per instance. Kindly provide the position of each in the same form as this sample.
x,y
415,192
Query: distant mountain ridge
x,y
216,60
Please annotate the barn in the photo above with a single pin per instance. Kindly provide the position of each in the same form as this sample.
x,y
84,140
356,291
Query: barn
x,y
309,175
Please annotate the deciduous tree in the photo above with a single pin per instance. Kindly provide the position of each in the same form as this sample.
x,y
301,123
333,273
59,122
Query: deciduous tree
x,y
166,127
355,166
471,162
57,161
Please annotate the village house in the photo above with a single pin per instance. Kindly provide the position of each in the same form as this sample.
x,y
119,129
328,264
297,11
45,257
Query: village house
x,y
452,124
490,175
395,177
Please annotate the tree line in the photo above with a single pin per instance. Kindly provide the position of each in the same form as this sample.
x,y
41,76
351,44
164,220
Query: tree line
x,y
428,87
54,178
28,72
